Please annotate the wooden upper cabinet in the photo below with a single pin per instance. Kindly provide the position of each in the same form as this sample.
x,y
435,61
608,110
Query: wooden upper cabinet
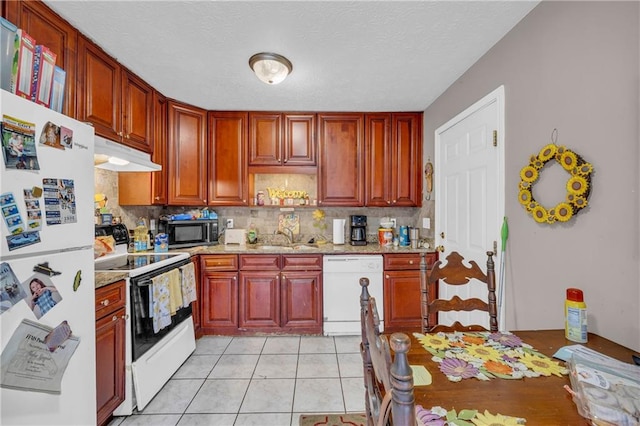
x,y
341,163
378,166
99,90
277,139
149,188
137,112
159,184
115,101
228,180
186,155
54,32
406,160
394,159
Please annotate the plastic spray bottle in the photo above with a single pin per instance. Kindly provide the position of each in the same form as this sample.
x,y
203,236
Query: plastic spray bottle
x,y
575,316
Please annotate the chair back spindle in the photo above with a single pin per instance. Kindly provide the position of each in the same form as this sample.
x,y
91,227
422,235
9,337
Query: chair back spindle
x,y
389,398
456,273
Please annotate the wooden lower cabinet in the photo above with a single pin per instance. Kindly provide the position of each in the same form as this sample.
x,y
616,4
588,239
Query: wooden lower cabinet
x,y
268,293
301,301
110,349
219,294
196,305
402,310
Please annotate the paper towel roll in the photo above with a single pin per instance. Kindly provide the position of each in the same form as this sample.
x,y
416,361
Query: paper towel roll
x,y
338,231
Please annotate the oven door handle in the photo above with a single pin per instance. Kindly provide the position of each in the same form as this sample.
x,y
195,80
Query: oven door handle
x,y
144,283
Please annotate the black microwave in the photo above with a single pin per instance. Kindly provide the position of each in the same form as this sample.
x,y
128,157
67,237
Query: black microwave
x,y
190,233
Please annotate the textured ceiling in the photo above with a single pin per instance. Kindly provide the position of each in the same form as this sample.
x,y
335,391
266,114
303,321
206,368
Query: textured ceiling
x,y
347,56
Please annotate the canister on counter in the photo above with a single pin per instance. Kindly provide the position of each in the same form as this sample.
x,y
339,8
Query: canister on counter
x,y
260,198
403,236
161,243
385,236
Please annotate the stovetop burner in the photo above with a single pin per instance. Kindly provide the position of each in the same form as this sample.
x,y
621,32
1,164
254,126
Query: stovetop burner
x,y
133,263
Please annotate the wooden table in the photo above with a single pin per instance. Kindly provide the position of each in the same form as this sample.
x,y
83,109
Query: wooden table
x,y
540,400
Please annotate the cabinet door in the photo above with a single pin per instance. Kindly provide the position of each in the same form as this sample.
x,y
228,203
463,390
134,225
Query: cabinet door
x,y
149,188
196,305
219,301
99,90
302,301
228,183
259,300
264,139
402,309
406,160
299,142
137,109
159,156
54,32
378,166
110,354
341,164
187,155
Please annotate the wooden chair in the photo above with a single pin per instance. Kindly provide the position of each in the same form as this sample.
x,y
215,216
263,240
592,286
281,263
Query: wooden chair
x,y
388,386
454,272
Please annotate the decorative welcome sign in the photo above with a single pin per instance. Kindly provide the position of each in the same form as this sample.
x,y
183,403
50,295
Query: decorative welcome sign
x,y
286,193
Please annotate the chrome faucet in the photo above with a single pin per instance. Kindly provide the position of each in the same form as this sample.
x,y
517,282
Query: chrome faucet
x,y
287,233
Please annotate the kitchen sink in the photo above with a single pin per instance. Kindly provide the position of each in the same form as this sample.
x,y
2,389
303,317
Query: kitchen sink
x,y
276,247
272,247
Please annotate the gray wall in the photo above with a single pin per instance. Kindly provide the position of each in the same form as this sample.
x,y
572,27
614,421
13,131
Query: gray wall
x,y
573,66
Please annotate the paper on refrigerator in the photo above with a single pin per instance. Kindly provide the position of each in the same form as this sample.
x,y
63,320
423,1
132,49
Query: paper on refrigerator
x,y
29,365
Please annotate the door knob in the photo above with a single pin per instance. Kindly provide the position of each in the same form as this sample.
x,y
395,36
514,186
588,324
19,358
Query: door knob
x,y
440,249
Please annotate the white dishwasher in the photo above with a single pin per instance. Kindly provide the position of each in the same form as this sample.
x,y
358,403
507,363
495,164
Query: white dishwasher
x,y
341,289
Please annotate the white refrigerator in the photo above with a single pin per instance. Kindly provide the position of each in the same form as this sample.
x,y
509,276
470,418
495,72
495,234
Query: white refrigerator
x,y
47,319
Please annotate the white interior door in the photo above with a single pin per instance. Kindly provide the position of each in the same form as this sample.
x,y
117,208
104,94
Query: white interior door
x,y
469,186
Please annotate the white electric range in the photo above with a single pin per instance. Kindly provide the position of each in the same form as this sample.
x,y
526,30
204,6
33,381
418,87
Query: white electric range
x,y
151,357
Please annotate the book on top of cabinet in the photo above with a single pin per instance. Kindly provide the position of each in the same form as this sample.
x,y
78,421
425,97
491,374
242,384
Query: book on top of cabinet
x,y
22,69
43,69
57,89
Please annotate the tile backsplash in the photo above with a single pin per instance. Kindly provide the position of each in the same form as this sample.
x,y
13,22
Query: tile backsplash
x,y
265,218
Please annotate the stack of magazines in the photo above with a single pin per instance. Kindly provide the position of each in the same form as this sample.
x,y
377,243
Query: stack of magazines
x,y
605,390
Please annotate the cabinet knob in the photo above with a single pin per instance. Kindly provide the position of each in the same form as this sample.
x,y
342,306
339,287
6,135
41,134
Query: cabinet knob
x,y
386,276
120,134
105,302
127,136
411,262
157,198
285,160
115,318
388,202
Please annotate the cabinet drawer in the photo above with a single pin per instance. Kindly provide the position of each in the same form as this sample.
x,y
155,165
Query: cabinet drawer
x,y
110,298
302,262
407,261
222,262
259,262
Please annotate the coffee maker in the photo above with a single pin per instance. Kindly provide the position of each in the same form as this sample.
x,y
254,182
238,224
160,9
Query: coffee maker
x,y
358,230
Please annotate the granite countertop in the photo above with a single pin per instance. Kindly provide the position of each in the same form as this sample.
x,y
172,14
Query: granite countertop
x,y
302,248
105,278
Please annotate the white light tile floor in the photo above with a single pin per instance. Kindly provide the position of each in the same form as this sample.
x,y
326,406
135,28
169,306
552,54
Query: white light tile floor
x,y
266,381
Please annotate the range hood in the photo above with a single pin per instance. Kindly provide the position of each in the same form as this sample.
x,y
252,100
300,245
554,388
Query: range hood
x,y
119,158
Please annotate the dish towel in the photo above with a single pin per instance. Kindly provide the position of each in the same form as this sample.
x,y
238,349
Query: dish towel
x,y
189,293
175,291
159,297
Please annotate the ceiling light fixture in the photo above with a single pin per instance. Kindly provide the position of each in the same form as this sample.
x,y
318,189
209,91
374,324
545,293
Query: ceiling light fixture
x,y
270,67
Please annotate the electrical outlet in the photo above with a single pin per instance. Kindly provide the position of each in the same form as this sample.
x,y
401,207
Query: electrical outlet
x,y
394,221
426,222
229,224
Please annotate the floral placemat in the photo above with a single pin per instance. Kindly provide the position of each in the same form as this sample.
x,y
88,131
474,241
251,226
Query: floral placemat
x,y
438,416
486,355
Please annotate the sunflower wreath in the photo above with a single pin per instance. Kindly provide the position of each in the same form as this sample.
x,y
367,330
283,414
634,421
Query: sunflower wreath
x,y
578,185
